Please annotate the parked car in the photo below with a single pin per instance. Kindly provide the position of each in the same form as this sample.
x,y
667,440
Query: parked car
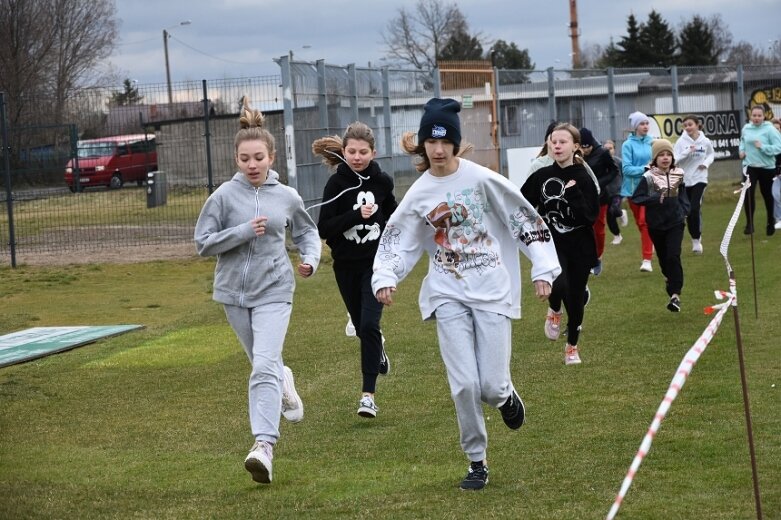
x,y
112,161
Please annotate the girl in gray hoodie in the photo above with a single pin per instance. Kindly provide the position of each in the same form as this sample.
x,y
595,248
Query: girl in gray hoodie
x,y
244,223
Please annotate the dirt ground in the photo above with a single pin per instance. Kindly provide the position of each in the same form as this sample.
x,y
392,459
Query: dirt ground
x,y
123,255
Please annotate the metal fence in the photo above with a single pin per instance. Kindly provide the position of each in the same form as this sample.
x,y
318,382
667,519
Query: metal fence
x,y
503,111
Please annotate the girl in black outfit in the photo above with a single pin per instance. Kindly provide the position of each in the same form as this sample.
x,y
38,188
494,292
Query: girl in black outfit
x,y
603,166
662,192
566,197
357,202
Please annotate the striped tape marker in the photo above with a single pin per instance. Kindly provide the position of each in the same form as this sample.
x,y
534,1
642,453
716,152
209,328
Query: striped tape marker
x,y
683,371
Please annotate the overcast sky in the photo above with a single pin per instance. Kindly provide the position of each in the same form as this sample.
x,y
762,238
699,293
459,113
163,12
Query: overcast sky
x,y
240,38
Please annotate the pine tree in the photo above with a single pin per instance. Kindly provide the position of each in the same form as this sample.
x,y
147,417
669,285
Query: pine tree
x,y
696,43
129,96
630,52
461,46
658,41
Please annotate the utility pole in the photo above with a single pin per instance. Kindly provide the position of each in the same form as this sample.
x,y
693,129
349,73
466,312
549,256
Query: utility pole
x,y
574,33
167,67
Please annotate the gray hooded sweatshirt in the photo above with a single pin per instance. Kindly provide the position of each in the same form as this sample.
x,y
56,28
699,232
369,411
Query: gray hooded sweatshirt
x,y
254,270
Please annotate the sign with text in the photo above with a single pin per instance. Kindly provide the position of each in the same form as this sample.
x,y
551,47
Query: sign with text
x,y
722,128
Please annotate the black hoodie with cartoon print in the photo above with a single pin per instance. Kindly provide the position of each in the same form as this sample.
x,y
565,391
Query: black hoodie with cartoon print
x,y
353,240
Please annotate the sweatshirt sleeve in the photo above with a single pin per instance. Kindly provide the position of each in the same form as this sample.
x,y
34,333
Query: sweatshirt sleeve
x,y
400,248
644,195
303,233
710,153
628,156
332,222
389,205
584,199
773,147
210,237
681,150
532,236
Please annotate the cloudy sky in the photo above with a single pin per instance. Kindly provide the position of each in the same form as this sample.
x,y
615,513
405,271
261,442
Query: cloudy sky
x,y
240,38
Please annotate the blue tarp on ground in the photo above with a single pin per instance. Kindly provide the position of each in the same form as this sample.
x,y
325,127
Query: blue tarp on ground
x,y
37,342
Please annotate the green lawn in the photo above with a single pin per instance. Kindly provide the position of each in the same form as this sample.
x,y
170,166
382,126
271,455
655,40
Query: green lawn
x,y
153,424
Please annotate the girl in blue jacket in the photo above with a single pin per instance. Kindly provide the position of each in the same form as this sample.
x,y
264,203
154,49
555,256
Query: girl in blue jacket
x,y
760,142
635,156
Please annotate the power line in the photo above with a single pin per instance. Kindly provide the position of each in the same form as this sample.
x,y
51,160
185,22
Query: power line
x,y
211,55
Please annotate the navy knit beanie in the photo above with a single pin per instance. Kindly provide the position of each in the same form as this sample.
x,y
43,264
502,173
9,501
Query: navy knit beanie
x,y
440,121
587,138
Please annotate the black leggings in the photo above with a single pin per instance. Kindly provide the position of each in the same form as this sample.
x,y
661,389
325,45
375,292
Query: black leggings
x,y
365,311
612,222
763,177
667,243
694,219
570,288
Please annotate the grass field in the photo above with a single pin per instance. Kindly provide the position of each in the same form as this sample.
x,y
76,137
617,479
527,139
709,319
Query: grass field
x,y
153,424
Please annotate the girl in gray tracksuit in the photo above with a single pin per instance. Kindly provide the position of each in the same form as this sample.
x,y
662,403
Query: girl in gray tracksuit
x,y
244,224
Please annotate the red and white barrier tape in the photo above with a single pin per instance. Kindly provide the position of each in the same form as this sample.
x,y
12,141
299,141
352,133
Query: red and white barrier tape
x,y
683,371
691,357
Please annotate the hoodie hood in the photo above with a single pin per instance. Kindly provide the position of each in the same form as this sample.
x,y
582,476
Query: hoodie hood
x,y
271,179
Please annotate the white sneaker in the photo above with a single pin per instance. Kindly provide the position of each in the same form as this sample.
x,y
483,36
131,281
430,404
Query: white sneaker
x,y
617,240
367,408
292,405
646,266
778,225
571,356
349,329
623,219
696,245
258,462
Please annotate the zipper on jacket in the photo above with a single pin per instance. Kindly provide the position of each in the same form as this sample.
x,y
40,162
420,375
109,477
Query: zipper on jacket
x,y
249,253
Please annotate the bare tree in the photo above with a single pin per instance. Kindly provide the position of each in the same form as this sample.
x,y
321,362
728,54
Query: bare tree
x,y
722,36
48,48
418,39
85,32
24,47
746,54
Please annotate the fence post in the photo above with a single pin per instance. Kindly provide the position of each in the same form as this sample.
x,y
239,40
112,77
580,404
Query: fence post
x,y
322,97
287,106
741,96
7,168
352,77
437,82
674,82
611,104
551,96
74,140
386,112
207,134
498,122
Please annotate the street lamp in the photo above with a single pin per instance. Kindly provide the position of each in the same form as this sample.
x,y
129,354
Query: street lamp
x,y
167,66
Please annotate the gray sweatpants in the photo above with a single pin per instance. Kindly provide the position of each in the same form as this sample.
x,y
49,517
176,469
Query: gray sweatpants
x,y
475,346
261,331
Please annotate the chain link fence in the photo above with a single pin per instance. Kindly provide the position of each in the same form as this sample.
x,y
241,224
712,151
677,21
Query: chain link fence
x,y
503,111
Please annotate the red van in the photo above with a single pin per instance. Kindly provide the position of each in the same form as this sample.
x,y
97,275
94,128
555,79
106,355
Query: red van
x,y
112,161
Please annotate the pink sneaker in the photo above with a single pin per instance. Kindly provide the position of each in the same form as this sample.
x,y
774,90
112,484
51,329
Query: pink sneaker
x,y
571,356
552,320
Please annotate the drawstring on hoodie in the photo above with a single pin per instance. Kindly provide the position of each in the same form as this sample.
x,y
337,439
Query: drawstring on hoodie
x,y
361,178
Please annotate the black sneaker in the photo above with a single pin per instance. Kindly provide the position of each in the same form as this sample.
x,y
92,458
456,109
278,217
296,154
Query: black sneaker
x,y
513,411
674,305
476,477
748,230
384,361
771,229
